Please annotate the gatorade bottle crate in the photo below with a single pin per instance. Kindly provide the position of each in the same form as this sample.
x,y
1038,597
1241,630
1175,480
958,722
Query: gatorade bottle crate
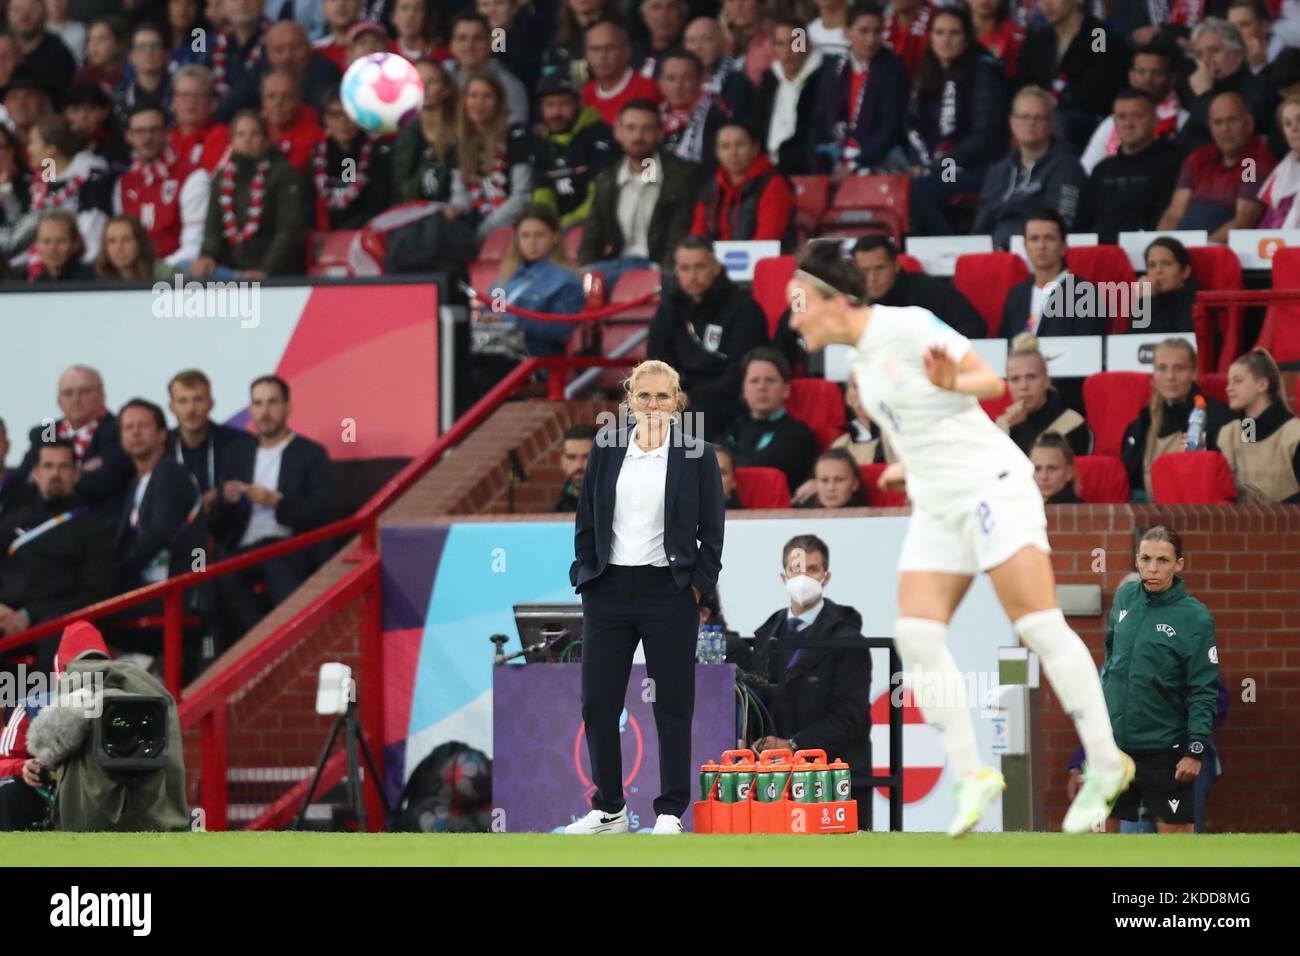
x,y
775,792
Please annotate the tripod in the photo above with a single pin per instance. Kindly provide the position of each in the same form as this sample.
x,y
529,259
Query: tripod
x,y
354,741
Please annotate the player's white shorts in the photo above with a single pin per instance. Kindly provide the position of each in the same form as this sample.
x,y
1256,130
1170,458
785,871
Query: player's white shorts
x,y
997,524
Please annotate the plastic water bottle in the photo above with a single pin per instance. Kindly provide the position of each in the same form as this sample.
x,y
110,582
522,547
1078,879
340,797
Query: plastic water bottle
x,y
1196,426
702,649
719,644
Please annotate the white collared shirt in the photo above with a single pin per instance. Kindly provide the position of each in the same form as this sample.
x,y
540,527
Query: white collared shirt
x,y
636,204
807,616
1038,301
638,537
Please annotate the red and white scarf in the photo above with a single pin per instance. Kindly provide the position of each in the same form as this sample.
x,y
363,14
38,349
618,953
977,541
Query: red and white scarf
x,y
488,192
1166,125
221,50
80,437
340,197
63,197
689,122
230,227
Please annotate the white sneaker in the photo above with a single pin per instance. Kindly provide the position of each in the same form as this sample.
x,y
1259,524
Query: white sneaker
x,y
598,821
667,825
974,794
1097,797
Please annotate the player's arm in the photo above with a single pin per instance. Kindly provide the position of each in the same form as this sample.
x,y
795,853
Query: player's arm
x,y
970,376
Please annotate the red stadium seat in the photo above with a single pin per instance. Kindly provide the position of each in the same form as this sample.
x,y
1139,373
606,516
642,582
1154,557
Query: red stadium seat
x,y
1281,331
636,284
1102,479
866,204
993,407
876,498
1192,478
1215,268
497,244
1112,400
810,197
327,253
762,488
910,263
985,278
771,276
572,240
1215,385
614,333
1104,263
819,404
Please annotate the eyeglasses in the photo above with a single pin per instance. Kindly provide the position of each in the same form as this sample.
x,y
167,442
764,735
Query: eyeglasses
x,y
645,399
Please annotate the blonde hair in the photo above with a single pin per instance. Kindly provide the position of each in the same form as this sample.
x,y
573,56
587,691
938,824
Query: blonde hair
x,y
1157,406
1026,344
655,367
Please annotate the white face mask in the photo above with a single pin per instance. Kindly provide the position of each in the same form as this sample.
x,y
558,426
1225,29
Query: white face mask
x,y
803,590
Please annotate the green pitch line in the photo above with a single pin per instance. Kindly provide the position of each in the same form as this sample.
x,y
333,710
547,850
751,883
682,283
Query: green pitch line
x,y
486,849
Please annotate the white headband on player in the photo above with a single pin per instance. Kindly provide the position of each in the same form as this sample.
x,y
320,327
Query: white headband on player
x,y
822,286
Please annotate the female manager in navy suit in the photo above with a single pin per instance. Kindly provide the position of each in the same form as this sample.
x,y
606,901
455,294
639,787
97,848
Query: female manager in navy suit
x,y
648,545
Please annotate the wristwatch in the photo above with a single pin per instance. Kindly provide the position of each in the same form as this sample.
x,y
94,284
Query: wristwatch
x,y
1196,747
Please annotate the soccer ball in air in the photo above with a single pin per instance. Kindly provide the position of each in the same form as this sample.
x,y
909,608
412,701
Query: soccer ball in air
x,y
381,92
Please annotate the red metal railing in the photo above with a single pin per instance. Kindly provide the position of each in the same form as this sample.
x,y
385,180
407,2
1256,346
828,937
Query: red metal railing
x,y
207,707
1235,302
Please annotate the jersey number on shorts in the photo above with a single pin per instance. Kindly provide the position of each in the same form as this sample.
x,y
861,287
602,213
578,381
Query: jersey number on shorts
x,y
985,514
889,413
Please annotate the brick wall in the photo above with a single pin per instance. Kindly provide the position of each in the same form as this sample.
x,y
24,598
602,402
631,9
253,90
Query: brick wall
x,y
1243,563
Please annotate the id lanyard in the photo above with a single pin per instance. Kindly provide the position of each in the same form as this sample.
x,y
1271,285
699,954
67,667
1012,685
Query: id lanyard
x,y
212,459
27,537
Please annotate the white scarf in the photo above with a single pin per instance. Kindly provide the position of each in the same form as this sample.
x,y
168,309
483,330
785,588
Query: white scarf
x,y
1282,182
785,105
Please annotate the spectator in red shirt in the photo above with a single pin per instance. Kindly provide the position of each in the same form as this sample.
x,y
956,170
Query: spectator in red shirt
x,y
907,28
1218,184
169,197
197,139
613,81
999,31
748,197
340,16
291,124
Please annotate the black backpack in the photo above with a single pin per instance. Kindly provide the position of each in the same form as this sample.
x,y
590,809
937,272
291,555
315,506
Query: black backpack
x,y
450,791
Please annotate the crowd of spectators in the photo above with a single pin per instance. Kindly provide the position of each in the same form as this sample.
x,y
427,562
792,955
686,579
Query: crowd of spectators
x,y
210,138
104,503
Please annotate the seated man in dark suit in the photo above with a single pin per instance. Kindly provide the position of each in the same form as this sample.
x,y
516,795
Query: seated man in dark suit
x,y
1053,301
704,328
812,669
92,429
280,487
765,435
889,284
200,444
576,452
55,555
162,532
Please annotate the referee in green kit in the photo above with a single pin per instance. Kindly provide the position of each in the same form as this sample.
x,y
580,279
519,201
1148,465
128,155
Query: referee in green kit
x,y
1161,680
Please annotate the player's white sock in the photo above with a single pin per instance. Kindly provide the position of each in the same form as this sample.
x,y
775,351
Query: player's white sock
x,y
938,686
1074,678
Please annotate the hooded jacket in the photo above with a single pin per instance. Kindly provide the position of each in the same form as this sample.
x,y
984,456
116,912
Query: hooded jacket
x,y
91,798
1161,669
760,206
1011,191
565,165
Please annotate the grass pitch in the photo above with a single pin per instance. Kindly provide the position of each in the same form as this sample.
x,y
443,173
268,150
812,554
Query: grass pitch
x,y
500,849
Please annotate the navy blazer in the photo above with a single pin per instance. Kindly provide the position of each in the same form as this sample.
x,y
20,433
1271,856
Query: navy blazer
x,y
693,509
